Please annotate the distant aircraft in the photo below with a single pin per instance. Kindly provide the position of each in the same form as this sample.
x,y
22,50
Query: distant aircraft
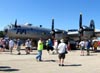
x,y
34,32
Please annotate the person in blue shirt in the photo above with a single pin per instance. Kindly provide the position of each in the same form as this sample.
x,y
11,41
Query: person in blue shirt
x,y
50,45
88,47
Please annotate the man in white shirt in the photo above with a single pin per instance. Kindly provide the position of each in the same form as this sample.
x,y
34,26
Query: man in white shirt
x,y
62,47
27,45
82,47
11,45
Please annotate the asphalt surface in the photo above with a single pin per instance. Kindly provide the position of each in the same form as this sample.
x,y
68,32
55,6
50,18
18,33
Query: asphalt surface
x,y
74,63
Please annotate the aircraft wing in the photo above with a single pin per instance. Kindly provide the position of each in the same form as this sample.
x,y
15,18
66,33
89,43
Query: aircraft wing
x,y
97,32
73,35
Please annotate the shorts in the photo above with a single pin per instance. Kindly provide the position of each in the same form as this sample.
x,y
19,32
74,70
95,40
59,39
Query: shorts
x,y
49,48
28,48
18,48
61,56
82,48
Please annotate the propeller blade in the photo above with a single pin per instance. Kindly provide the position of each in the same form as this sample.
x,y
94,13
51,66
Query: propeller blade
x,y
80,21
92,25
16,23
52,24
52,29
80,26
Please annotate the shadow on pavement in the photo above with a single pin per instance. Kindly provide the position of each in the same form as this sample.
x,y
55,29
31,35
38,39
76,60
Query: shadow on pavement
x,y
97,51
7,69
4,67
49,61
74,65
24,54
92,55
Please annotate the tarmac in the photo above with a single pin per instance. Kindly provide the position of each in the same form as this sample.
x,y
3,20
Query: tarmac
x,y
74,63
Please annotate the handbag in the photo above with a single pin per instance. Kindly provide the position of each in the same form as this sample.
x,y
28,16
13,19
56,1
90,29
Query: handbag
x,y
66,52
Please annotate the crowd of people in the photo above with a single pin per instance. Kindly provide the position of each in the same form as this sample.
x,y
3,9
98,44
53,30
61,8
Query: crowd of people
x,y
88,45
52,47
9,44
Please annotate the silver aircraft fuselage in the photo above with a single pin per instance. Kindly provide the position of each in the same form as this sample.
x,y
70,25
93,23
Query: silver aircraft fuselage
x,y
32,32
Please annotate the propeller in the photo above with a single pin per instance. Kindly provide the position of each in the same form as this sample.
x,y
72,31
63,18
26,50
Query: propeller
x,y
80,26
92,26
87,29
15,24
55,31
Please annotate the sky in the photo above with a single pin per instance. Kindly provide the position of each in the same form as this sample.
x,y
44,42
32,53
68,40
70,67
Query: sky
x,y
40,12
